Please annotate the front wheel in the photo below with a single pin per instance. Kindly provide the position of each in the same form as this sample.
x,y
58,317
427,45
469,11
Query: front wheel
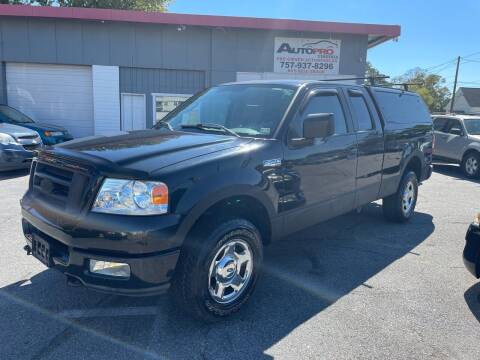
x,y
216,277
400,206
471,165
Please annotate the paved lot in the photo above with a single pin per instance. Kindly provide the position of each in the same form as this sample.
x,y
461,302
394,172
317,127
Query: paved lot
x,y
355,287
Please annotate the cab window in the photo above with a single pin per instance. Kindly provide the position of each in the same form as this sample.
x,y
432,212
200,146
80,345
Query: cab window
x,y
439,124
455,125
361,113
320,104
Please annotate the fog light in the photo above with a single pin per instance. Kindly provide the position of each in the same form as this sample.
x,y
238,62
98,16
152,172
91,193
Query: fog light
x,y
109,268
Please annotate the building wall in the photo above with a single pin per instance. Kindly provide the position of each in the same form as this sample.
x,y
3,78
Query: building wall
x,y
156,58
148,81
218,52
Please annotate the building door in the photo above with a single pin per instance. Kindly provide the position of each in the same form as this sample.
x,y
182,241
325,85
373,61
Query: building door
x,y
133,112
53,94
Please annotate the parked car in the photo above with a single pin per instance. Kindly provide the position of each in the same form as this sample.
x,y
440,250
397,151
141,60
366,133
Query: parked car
x,y
50,134
471,252
17,146
193,202
457,140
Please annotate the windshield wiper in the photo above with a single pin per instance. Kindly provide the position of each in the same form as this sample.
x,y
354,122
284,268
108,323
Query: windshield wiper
x,y
164,124
211,126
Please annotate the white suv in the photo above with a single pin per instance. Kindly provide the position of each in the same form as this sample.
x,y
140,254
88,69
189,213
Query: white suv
x,y
457,139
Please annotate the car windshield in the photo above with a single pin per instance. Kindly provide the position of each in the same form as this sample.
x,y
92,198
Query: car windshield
x,y
473,126
10,115
246,110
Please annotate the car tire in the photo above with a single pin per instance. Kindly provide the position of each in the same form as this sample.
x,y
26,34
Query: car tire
x,y
217,275
400,206
471,165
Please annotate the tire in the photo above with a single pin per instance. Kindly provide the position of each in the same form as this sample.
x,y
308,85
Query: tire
x,y
212,262
471,165
400,206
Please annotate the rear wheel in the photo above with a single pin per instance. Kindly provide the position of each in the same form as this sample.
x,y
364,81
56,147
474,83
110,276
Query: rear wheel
x,y
471,164
400,206
216,278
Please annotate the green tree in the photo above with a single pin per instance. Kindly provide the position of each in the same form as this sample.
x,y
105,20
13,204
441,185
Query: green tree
x,y
146,5
372,72
431,87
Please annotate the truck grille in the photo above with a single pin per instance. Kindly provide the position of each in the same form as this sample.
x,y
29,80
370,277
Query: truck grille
x,y
59,185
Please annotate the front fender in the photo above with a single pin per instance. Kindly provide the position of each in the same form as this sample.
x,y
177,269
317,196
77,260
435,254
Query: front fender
x,y
472,145
203,194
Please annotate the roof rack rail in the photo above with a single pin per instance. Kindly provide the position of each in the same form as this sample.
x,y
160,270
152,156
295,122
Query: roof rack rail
x,y
369,78
406,85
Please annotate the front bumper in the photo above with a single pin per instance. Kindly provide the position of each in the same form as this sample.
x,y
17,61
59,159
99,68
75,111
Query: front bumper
x,y
471,252
151,266
15,157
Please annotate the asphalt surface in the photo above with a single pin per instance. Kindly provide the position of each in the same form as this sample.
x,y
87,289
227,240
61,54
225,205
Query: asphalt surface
x,y
355,287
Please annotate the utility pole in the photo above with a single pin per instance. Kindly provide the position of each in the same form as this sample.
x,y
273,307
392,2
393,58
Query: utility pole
x,y
452,103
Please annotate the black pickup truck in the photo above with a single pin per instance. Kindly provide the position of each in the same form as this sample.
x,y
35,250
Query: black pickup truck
x,y
192,202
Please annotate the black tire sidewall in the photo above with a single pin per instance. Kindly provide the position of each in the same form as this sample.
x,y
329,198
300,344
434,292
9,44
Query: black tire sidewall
x,y
239,229
409,176
464,162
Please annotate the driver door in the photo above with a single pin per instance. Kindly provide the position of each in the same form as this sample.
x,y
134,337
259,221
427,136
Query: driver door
x,y
454,140
319,178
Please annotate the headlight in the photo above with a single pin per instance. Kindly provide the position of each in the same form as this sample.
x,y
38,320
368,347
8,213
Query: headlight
x,y
6,139
132,197
53,133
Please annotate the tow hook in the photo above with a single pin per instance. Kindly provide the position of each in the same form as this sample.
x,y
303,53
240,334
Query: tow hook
x,y
28,249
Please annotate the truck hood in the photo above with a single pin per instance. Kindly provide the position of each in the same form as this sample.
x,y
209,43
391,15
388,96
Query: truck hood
x,y
145,151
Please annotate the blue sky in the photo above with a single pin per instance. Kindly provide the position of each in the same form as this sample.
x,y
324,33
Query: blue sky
x,y
433,32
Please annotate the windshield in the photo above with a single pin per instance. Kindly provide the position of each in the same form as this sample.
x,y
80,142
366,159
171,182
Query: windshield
x,y
10,115
473,126
247,110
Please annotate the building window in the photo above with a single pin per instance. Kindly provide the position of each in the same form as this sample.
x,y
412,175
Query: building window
x,y
164,103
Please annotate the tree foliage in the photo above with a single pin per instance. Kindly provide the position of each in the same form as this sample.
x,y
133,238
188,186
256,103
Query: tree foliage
x,y
431,87
146,5
372,72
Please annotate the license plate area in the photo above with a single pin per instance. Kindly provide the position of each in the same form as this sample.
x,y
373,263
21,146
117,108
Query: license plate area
x,y
41,250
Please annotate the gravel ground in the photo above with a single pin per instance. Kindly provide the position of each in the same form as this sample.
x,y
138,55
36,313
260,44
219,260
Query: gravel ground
x,y
355,287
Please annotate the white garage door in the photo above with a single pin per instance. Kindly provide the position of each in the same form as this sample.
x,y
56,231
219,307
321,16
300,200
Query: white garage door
x,y
53,94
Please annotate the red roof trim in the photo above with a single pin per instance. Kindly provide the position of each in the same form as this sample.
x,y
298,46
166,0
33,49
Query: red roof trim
x,y
198,20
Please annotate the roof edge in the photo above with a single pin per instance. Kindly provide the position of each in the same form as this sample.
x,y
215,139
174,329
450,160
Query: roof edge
x,y
388,31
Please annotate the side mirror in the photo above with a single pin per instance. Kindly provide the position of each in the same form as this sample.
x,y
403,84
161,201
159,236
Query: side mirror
x,y
318,126
456,131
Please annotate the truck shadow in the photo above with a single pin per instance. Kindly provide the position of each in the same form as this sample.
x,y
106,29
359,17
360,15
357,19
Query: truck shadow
x,y
453,171
303,275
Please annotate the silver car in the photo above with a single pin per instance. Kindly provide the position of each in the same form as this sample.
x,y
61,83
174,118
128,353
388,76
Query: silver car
x,y
457,140
17,146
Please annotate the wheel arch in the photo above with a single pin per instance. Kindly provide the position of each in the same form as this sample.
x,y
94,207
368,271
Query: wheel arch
x,y
469,151
414,164
242,201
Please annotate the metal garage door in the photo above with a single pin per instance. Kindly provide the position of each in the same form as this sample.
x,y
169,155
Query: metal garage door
x,y
53,94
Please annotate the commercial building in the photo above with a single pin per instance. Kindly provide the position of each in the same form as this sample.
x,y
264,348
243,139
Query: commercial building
x,y
96,71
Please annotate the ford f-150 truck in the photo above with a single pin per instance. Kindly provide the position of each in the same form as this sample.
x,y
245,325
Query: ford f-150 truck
x,y
192,202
